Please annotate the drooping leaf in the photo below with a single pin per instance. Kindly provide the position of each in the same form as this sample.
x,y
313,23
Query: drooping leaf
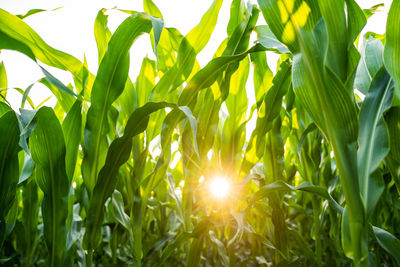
x,y
30,43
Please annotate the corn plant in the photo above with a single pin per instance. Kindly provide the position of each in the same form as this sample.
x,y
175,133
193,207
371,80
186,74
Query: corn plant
x,y
233,163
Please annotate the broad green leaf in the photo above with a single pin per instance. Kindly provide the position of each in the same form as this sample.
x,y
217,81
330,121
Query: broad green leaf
x,y
145,81
9,169
373,138
322,94
392,48
117,155
373,56
356,20
118,206
151,9
388,242
72,128
238,13
274,160
109,84
47,147
370,62
392,118
335,19
262,76
30,218
268,39
272,103
198,37
284,17
189,47
238,42
233,134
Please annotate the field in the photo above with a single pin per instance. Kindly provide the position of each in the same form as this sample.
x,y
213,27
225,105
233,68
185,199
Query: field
x,y
182,166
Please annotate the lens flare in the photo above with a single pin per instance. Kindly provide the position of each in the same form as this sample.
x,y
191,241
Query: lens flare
x,y
219,187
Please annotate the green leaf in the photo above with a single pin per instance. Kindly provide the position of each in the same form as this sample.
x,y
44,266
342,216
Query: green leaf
x,y
30,43
268,39
373,138
392,48
392,118
272,104
65,100
371,61
3,79
118,206
335,19
238,13
322,94
35,11
117,155
305,187
30,218
25,96
198,37
9,168
57,83
109,84
72,128
209,74
284,17
47,147
388,242
101,33
151,9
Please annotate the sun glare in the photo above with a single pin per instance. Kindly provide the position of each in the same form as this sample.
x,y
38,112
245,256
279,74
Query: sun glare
x,y
219,187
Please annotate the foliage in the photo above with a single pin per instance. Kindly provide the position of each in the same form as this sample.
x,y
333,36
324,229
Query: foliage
x,y
118,171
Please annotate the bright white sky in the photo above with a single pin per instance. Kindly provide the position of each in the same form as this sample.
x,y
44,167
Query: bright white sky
x,y
70,29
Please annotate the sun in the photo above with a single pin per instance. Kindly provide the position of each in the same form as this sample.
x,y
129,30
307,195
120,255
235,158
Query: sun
x,y
220,187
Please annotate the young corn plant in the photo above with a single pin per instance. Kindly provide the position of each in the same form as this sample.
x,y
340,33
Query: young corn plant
x,y
233,163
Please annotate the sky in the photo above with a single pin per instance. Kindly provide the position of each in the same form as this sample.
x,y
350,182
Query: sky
x,y
70,29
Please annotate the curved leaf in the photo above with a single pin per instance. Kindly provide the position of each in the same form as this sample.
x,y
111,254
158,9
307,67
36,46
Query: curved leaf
x,y
306,187
109,84
9,166
117,155
32,44
72,128
388,242
373,138
47,147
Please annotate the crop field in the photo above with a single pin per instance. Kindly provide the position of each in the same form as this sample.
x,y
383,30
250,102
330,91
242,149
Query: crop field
x,y
182,165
